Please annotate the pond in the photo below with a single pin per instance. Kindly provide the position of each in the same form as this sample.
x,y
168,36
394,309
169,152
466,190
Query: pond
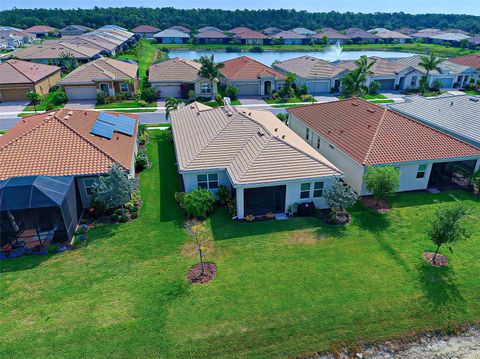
x,y
268,57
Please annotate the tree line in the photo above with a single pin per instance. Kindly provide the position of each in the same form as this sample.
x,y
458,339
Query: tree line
x,y
162,18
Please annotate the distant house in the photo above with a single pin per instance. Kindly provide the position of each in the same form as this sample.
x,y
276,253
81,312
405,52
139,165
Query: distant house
x,y
16,38
208,28
106,40
251,77
52,53
333,36
354,134
389,36
272,30
104,45
318,75
303,31
74,30
41,31
426,35
172,37
183,29
406,31
472,61
268,167
145,31
290,38
105,74
248,36
474,42
450,38
358,36
18,77
212,37
176,77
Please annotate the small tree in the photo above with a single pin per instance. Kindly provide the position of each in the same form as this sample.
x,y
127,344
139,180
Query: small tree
x,y
113,190
198,231
149,94
340,197
34,98
210,70
382,181
430,63
231,92
475,179
198,203
447,227
171,104
374,87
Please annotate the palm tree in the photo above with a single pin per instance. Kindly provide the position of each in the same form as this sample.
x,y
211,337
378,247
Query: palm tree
x,y
354,82
171,104
210,70
429,63
34,98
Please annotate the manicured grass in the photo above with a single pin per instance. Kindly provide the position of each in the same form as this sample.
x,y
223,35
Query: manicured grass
x,y
289,105
215,103
388,100
125,104
43,105
3,131
472,92
377,96
288,100
283,288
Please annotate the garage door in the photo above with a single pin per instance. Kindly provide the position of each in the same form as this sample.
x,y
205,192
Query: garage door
x,y
169,91
13,94
248,90
446,82
315,87
81,92
386,84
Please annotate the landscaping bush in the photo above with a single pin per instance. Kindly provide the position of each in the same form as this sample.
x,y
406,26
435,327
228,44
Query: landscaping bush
x,y
232,207
49,107
219,100
134,215
231,92
223,195
436,86
374,87
101,98
340,197
120,211
283,117
142,103
112,190
382,181
149,94
133,209
180,199
199,202
123,218
307,98
233,49
256,49
191,95
302,90
141,162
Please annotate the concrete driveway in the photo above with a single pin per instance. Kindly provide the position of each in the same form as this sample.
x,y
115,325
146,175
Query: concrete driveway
x,y
251,100
81,104
7,109
325,98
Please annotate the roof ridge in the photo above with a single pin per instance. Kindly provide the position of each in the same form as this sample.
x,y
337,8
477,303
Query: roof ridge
x,y
107,61
377,130
23,134
15,67
252,161
106,72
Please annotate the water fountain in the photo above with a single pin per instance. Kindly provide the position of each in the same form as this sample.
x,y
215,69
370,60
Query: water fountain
x,y
333,53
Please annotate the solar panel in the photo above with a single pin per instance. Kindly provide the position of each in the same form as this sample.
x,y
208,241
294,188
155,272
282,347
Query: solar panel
x,y
103,129
123,124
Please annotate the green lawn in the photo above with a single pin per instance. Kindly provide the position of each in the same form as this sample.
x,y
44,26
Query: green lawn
x,y
377,96
472,92
283,288
129,104
43,105
295,99
388,100
215,103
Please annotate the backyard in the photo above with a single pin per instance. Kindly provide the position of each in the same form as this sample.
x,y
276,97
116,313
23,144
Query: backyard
x,y
283,288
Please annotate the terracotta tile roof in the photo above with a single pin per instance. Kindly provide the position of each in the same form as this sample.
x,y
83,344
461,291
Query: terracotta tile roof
x,y
211,34
101,69
289,35
55,51
380,68
469,60
354,32
308,67
252,146
330,33
58,144
22,72
446,67
176,69
246,68
145,28
39,29
371,134
246,33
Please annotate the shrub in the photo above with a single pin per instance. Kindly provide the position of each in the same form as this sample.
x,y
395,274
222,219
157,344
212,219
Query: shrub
x,y
123,218
283,117
307,98
302,90
49,107
136,197
436,86
53,248
199,202
231,92
149,94
219,100
232,207
382,180
142,103
256,49
142,139
340,197
270,215
134,215
141,162
374,87
101,98
232,49
81,230
112,190
191,95
223,194
133,209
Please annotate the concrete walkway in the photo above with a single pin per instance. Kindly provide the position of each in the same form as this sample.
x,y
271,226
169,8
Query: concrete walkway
x,y
81,104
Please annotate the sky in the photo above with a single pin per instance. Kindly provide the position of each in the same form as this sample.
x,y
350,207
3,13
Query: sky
x,y
471,7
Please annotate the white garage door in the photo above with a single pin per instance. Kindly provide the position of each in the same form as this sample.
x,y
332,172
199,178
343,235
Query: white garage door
x,y
169,90
315,87
248,89
81,92
446,82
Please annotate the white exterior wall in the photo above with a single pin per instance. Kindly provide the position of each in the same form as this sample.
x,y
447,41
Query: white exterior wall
x,y
190,179
198,88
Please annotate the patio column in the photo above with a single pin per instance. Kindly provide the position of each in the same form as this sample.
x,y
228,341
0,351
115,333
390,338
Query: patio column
x,y
240,201
477,166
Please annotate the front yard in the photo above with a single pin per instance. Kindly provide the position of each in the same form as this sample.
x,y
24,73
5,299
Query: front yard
x,y
42,106
149,107
283,288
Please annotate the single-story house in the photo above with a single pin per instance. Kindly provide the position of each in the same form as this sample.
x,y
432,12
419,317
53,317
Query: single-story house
x,y
106,48
18,77
184,29
172,37
354,134
11,40
357,36
75,145
406,31
19,37
472,61
106,41
251,77
105,74
318,75
290,38
332,35
303,31
458,116
74,30
474,41
390,36
450,38
209,28
266,166
176,77
272,30
248,36
425,35
41,31
145,31
52,53
212,37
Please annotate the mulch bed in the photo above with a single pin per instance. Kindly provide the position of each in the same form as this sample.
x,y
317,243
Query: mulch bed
x,y
194,274
327,218
382,205
440,260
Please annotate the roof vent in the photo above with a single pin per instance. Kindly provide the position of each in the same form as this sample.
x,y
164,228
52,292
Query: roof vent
x,y
371,110
341,132
229,114
70,113
260,133
283,136
354,104
451,103
473,99
276,129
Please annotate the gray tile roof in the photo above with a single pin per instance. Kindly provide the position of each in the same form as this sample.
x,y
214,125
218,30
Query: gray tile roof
x,y
458,116
172,33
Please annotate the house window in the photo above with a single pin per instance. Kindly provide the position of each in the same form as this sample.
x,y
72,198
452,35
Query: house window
x,y
88,183
123,87
279,86
205,88
305,190
207,181
318,143
318,189
307,134
413,82
421,171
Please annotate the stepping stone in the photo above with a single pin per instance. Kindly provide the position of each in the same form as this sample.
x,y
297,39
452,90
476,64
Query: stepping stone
x,y
280,216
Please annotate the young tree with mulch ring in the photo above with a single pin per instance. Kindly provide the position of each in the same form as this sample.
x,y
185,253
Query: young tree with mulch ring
x,y
339,198
382,181
202,272
447,228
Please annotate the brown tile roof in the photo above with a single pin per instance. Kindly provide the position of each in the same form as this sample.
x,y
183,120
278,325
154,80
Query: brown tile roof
x,y
55,51
176,69
308,67
289,35
246,68
145,28
22,72
40,28
246,33
469,60
371,134
380,68
101,69
355,32
57,144
330,33
252,146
